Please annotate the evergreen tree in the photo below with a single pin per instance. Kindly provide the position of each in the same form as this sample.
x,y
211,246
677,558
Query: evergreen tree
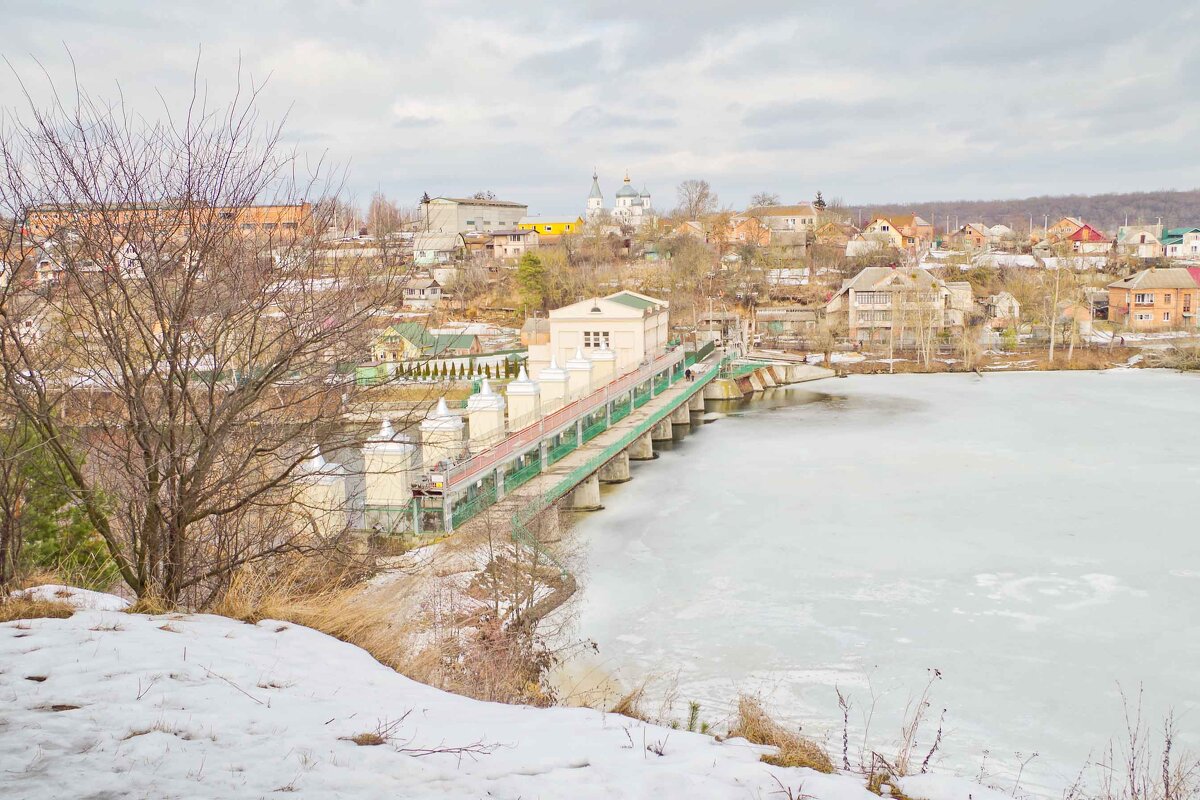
x,y
819,203
532,281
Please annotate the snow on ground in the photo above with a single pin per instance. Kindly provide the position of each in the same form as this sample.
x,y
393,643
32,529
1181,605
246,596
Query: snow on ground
x,y
112,705
79,598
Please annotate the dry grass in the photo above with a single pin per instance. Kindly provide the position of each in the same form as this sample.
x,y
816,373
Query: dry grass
x,y
14,608
754,725
307,594
631,705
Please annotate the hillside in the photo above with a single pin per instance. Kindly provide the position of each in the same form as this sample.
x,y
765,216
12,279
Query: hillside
x,y
105,704
1176,208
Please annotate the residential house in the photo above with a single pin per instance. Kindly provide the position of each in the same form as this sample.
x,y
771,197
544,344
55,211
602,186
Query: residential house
x,y
1003,310
801,217
1062,229
438,248
879,300
551,226
455,215
509,245
972,236
1086,240
834,234
411,341
1156,299
422,293
725,232
999,233
1141,241
631,325
1181,243
909,232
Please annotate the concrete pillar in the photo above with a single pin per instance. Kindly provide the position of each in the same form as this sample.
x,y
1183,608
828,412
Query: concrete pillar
x,y
389,460
586,496
441,436
722,389
485,412
642,448
323,493
604,367
680,415
663,431
696,403
524,402
617,470
553,380
579,375
767,379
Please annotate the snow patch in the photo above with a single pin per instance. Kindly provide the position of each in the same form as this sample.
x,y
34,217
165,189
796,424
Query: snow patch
x,y
79,598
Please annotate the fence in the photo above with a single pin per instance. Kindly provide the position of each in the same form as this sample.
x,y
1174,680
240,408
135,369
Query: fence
x,y
470,470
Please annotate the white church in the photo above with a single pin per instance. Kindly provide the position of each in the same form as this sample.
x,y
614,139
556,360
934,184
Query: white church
x,y
632,207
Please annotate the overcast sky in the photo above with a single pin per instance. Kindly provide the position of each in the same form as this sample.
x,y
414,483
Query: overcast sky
x,y
866,101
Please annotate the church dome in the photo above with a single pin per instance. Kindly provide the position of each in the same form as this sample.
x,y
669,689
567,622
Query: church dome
x,y
627,190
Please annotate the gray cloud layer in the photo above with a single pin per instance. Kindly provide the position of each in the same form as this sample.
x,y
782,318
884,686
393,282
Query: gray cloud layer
x,y
871,101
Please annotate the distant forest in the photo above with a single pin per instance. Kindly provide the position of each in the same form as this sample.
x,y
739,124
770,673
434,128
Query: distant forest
x,y
1104,211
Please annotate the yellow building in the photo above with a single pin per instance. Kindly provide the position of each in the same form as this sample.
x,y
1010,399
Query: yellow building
x,y
551,226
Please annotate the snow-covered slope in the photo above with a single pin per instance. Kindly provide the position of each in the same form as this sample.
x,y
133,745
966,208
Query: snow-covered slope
x,y
111,705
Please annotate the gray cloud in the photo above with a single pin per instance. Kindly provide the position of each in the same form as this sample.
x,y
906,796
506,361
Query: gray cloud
x,y
871,101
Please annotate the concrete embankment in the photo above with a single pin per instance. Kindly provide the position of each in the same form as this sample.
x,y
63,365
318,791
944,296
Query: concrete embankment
x,y
749,377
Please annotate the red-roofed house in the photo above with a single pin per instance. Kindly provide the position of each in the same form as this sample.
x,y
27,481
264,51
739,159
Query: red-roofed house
x,y
1087,239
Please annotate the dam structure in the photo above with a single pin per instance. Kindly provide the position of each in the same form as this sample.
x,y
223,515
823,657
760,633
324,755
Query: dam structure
x,y
553,436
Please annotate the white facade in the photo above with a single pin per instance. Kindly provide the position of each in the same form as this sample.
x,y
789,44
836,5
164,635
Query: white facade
x,y
631,208
632,326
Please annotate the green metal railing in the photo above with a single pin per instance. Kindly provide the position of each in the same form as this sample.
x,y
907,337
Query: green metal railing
x,y
566,445
469,508
621,409
520,520
641,396
523,475
662,382
595,429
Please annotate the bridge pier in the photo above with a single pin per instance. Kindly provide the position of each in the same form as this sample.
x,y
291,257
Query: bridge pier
x,y
696,403
681,415
662,431
586,496
617,470
642,449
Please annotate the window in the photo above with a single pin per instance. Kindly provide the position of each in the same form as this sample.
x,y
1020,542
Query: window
x,y
1187,303
873,298
1144,298
289,224
595,339
268,226
1167,298
546,228
1143,317
1166,316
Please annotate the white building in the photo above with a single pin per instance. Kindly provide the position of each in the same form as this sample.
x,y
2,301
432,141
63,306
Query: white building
x,y
632,207
631,325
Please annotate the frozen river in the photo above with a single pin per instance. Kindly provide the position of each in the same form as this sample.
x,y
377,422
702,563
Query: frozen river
x,y
1034,537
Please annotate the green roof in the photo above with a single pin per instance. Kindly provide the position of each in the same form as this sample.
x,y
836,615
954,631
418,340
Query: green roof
x,y
632,300
431,343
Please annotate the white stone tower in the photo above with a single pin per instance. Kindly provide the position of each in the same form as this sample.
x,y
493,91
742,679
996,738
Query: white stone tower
x,y
595,201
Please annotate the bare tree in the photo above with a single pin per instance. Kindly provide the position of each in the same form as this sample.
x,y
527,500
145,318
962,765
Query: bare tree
x,y
762,199
696,199
193,346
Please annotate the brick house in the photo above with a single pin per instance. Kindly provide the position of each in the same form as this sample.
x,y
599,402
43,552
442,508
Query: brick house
x,y
1156,299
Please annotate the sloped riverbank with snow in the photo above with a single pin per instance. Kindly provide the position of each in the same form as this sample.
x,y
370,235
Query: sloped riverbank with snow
x,y
112,705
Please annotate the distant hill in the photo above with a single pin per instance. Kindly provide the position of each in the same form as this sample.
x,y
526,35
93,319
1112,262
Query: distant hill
x,y
1106,211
